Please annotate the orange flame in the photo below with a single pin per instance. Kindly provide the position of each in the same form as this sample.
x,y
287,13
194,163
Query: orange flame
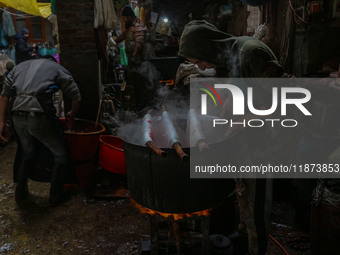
x,y
168,82
175,216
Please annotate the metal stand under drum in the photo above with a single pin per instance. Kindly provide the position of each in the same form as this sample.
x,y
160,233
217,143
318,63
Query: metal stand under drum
x,y
187,236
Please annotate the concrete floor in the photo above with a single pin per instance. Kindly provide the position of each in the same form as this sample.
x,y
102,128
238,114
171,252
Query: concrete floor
x,y
78,227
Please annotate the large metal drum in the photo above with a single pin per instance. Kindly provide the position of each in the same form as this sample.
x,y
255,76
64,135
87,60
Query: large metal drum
x,y
163,183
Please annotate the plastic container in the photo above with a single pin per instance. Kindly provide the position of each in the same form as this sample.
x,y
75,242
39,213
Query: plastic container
x,y
111,154
85,173
82,142
83,139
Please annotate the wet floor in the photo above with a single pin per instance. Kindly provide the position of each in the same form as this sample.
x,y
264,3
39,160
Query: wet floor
x,y
76,227
102,227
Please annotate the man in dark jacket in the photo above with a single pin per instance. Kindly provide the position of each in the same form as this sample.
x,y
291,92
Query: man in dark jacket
x,y
243,57
22,50
33,114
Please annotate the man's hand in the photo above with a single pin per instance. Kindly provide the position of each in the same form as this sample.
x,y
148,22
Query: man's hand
x,y
3,131
72,113
70,119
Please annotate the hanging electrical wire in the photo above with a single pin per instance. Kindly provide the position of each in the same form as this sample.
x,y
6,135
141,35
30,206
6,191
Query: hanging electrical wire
x,y
278,244
296,15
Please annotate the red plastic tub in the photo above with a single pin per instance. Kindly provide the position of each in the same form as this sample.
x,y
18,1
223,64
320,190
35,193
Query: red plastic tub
x,y
85,173
83,139
111,154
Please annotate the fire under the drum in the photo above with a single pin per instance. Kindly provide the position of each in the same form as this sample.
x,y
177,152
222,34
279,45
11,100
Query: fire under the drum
x,y
188,236
175,234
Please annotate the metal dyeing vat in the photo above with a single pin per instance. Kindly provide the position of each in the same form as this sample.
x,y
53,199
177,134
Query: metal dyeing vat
x,y
163,183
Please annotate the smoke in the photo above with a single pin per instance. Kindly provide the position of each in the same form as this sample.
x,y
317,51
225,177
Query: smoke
x,y
229,60
132,132
131,126
149,73
158,94
164,97
178,107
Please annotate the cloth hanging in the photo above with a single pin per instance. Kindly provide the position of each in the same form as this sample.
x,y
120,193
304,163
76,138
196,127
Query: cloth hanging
x,y
136,11
98,13
110,17
53,7
7,24
286,40
3,42
142,15
11,53
101,39
53,19
104,14
42,51
123,57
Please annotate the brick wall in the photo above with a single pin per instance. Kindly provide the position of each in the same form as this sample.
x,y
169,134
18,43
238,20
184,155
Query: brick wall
x,y
78,50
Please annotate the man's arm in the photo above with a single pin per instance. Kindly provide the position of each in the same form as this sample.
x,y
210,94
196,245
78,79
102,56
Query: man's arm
x,y
3,106
121,37
23,48
70,90
72,113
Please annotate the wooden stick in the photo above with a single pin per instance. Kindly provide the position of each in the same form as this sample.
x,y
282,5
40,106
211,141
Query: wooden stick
x,y
202,145
99,90
99,110
155,149
177,234
182,155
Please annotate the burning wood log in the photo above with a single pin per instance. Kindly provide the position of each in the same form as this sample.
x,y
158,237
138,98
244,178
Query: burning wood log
x,y
173,138
177,234
196,131
147,135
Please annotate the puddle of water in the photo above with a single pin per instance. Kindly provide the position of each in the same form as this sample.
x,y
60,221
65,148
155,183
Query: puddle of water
x,y
6,247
